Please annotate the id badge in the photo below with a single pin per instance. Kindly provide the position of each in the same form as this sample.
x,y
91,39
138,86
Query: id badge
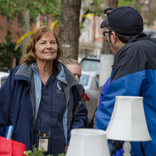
x,y
44,142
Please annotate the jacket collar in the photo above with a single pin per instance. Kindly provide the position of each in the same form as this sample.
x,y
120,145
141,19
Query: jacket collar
x,y
137,37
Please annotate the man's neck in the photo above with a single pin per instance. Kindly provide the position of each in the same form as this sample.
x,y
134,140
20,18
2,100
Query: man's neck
x,y
118,47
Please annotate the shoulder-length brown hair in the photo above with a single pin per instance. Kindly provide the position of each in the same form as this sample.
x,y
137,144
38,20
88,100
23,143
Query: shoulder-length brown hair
x,y
34,38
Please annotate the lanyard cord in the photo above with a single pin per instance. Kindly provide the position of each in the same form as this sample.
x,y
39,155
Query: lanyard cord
x,y
50,111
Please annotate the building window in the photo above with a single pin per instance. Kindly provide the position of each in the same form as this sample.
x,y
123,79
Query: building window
x,y
19,20
45,20
8,20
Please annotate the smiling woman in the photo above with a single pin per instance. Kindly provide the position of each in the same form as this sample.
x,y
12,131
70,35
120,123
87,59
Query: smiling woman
x,y
46,48
45,99
42,37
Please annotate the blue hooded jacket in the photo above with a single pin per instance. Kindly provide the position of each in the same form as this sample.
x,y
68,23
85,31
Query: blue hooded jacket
x,y
134,74
17,102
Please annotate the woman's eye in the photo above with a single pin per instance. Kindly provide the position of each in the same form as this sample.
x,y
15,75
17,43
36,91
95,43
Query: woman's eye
x,y
53,42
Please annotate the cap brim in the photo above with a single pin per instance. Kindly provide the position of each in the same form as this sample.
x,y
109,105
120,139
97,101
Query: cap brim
x,y
106,11
103,24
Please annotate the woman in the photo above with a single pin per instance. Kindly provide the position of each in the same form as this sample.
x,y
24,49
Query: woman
x,y
74,66
41,97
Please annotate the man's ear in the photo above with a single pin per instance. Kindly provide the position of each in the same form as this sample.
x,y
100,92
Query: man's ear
x,y
114,37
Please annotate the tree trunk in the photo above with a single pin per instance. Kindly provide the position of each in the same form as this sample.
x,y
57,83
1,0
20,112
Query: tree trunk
x,y
105,44
113,3
25,29
69,27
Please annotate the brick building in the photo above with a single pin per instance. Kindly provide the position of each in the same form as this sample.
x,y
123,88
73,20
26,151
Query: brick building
x,y
9,24
15,25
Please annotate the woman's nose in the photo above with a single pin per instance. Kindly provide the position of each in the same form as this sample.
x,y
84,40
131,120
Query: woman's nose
x,y
49,45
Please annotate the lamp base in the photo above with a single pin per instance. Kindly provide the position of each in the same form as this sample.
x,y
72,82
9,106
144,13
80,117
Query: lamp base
x,y
127,148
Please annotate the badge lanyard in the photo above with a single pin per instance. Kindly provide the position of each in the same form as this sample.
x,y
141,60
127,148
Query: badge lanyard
x,y
43,138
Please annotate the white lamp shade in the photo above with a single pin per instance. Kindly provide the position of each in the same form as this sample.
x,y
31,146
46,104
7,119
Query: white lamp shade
x,y
88,142
128,121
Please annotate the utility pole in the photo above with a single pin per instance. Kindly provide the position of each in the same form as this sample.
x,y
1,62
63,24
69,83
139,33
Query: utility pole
x,y
105,45
25,29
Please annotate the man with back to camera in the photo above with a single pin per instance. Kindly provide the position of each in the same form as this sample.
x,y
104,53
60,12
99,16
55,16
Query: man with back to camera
x,y
134,72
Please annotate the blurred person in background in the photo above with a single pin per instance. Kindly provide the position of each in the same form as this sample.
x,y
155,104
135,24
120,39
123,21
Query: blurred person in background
x,y
41,98
74,66
133,73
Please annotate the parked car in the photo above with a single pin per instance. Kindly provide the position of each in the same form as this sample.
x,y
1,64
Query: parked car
x,y
3,76
90,63
90,67
90,81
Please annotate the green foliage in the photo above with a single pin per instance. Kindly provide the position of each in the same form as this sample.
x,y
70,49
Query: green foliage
x,y
98,9
61,154
14,8
34,153
11,8
126,2
94,7
7,52
147,10
38,153
131,3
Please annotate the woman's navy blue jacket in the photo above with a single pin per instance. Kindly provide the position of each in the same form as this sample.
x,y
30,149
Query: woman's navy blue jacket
x,y
134,74
17,99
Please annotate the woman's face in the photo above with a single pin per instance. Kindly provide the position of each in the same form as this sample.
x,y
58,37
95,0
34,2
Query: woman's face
x,y
76,70
46,48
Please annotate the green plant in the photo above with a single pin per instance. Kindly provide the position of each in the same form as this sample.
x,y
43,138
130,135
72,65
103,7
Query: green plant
x,y
36,152
61,154
8,52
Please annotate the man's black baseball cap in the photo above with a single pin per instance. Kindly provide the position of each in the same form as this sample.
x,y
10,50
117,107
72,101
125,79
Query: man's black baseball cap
x,y
123,20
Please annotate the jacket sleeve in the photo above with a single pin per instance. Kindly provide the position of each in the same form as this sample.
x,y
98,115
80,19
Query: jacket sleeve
x,y
80,113
79,120
80,117
5,104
